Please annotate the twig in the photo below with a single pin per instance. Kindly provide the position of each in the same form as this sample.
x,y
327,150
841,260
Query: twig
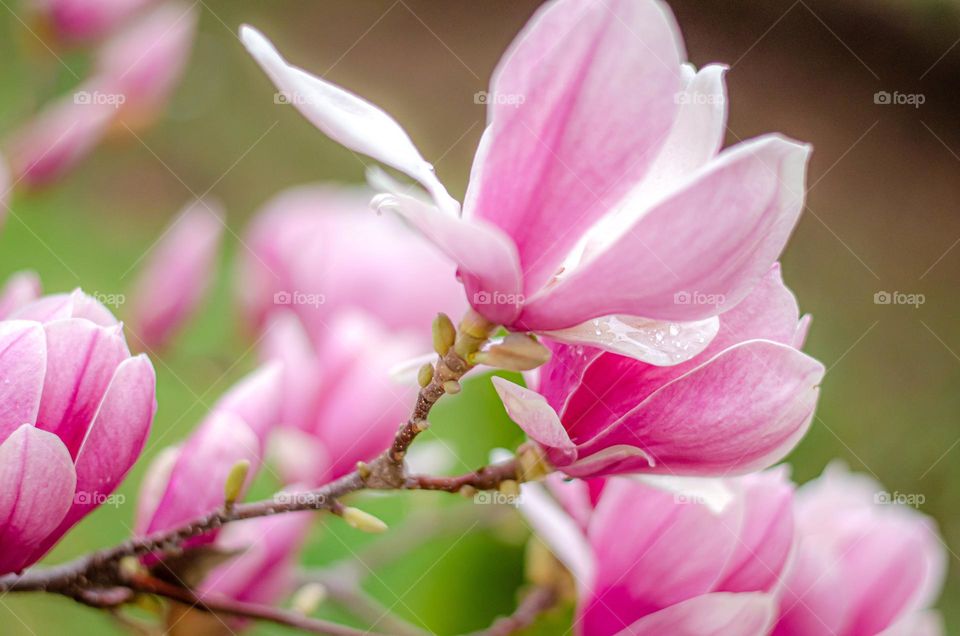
x,y
535,603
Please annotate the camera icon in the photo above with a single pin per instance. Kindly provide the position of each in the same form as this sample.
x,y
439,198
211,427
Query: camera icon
x,y
282,97
482,298
882,498
82,98
282,298
82,498
484,497
481,97
682,298
882,298
882,97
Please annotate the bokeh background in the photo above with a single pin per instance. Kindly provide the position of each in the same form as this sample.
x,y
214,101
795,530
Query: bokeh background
x,y
883,215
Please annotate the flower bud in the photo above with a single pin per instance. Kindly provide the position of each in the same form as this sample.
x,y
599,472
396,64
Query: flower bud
x,y
425,375
532,465
363,521
444,334
452,387
308,598
233,485
517,352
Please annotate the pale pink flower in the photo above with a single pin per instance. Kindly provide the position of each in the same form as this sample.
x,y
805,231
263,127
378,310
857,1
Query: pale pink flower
x,y
865,564
340,403
20,289
741,405
75,411
178,272
75,20
319,250
597,192
188,481
648,561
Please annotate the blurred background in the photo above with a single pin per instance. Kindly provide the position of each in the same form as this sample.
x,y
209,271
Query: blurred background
x,y
883,216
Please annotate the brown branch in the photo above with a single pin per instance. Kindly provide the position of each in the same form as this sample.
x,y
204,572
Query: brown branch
x,y
538,601
486,478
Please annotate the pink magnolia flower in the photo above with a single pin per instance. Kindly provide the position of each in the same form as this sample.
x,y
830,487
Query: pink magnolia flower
x,y
74,20
597,192
75,411
318,250
177,274
20,289
647,561
864,565
188,481
739,406
340,404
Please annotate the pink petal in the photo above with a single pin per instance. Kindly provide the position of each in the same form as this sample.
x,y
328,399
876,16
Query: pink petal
x,y
20,289
86,19
486,258
256,399
694,254
531,412
285,341
75,304
650,341
143,62
717,614
81,360
116,437
23,360
917,624
596,82
741,411
345,117
198,477
177,274
153,487
37,483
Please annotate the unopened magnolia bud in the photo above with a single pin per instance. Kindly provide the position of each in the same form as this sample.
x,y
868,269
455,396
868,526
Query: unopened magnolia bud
x,y
308,598
452,387
130,566
531,464
363,470
444,334
235,480
363,521
468,491
510,488
517,352
425,375
476,326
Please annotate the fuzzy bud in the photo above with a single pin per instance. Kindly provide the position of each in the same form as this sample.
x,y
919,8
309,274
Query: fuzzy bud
x,y
517,352
451,387
363,521
425,375
444,334
308,598
236,478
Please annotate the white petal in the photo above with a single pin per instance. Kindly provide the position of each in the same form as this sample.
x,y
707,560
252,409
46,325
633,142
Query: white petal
x,y
655,342
558,530
345,117
712,492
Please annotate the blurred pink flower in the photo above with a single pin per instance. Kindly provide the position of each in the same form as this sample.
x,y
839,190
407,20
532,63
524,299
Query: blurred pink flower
x,y
340,404
177,274
597,191
320,250
75,20
75,411
20,289
188,481
739,406
648,561
865,564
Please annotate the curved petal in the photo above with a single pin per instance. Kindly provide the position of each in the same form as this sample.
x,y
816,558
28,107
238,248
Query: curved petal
x,y
256,399
530,411
742,410
487,260
345,117
696,253
177,274
85,19
37,484
712,492
116,437
21,288
717,614
81,360
917,624
75,304
579,107
558,531
650,341
153,487
23,364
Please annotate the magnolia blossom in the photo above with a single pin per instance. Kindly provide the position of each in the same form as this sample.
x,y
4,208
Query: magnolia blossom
x,y
598,192
340,404
865,563
646,561
74,20
317,250
741,405
178,273
188,481
20,289
134,74
75,412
